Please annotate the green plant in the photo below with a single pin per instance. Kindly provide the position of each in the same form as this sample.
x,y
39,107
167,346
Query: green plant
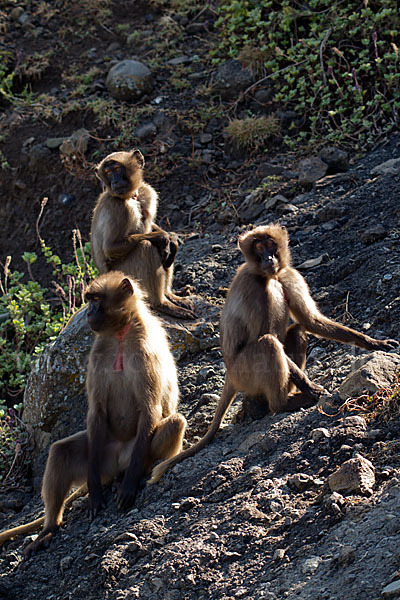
x,y
336,64
134,38
122,116
253,133
7,76
180,7
4,164
82,81
33,66
13,438
32,316
270,186
88,15
254,58
179,83
124,28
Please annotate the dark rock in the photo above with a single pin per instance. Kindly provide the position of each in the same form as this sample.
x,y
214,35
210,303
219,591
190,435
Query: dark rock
x,y
311,169
336,159
145,130
129,80
287,174
389,167
346,556
330,225
231,79
356,476
196,27
300,481
263,95
373,234
39,157
370,374
206,138
113,47
182,148
267,169
23,19
285,208
20,185
198,76
160,120
290,118
52,143
179,60
329,212
76,143
66,199
16,13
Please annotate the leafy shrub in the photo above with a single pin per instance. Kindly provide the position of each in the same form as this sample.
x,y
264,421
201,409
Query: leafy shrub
x,y
335,63
13,438
7,76
32,316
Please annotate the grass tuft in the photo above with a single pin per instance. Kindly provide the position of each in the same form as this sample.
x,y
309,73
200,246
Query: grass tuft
x,y
253,133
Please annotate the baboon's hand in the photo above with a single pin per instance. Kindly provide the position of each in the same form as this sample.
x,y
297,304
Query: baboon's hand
x,y
317,391
385,345
95,503
42,542
126,494
173,249
162,243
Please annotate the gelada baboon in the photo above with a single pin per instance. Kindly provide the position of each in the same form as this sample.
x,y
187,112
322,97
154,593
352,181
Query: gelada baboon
x,y
263,356
124,236
132,394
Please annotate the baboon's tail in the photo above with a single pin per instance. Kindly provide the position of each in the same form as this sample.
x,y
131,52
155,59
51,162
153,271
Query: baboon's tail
x,y
225,401
33,525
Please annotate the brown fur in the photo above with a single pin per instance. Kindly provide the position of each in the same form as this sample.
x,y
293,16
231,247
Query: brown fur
x,y
263,356
132,420
124,235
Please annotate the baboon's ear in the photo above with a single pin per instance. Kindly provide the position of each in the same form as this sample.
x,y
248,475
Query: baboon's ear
x,y
126,287
100,175
139,157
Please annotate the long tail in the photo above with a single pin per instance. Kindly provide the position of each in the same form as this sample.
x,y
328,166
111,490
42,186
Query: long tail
x,y
225,401
33,525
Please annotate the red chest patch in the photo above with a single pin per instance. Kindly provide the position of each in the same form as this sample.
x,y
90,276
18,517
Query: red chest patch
x,y
120,336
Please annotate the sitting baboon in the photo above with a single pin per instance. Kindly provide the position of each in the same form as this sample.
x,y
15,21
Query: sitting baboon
x,y
124,236
264,357
132,394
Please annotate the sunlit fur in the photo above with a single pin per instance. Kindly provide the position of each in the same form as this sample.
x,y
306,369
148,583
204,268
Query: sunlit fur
x,y
123,228
114,219
277,233
133,162
263,356
132,419
119,306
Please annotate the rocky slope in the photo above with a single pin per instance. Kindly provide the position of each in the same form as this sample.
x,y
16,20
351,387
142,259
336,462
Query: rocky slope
x,y
252,516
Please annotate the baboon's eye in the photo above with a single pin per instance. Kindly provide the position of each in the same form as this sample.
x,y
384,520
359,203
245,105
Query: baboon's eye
x,y
259,246
90,297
